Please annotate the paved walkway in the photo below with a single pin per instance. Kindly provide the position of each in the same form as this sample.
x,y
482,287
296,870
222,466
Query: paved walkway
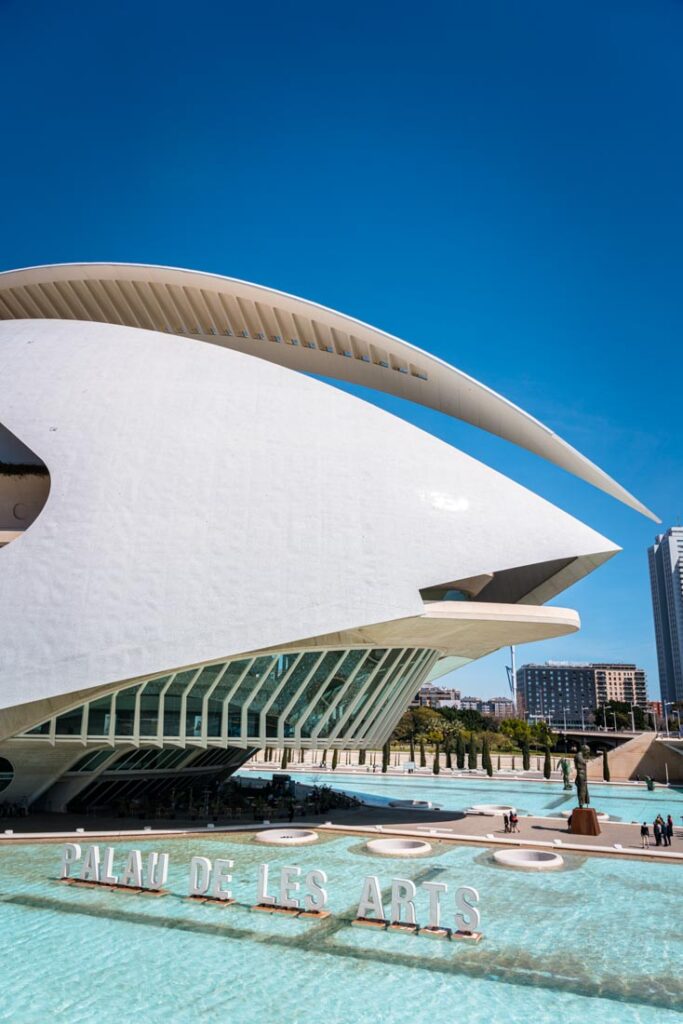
x,y
617,839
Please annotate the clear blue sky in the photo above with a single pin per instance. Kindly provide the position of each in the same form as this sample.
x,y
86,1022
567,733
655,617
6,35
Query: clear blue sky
x,y
499,183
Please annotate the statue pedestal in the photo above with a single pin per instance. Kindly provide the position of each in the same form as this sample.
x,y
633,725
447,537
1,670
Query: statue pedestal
x,y
584,822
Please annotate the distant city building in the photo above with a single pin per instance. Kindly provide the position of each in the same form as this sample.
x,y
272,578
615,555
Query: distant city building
x,y
435,697
496,707
666,581
499,707
563,692
440,697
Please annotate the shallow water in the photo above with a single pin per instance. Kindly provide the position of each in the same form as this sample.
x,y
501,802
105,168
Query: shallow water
x,y
547,799
600,941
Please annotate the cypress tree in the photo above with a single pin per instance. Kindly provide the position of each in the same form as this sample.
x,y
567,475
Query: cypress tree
x,y
498,765
447,751
361,757
412,748
386,754
526,757
486,756
335,758
547,765
472,752
324,757
436,767
460,751
605,766
283,762
423,755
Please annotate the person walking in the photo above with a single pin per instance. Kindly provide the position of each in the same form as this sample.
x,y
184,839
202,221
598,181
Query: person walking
x,y
506,823
657,829
669,828
644,836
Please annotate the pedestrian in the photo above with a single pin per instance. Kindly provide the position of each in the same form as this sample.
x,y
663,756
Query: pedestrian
x,y
669,828
644,836
506,823
657,829
662,826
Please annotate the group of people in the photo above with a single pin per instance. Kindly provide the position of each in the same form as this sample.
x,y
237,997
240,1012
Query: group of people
x,y
511,822
663,831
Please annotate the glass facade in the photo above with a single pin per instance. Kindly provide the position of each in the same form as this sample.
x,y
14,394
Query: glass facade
x,y
333,697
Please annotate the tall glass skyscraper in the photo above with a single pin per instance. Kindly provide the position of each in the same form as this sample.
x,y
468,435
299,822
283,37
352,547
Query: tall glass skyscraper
x,y
666,580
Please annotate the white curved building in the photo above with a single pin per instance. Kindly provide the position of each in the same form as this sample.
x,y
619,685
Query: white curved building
x,y
206,550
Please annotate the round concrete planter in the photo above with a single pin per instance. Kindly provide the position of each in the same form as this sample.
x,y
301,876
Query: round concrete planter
x,y
399,847
529,860
491,810
286,836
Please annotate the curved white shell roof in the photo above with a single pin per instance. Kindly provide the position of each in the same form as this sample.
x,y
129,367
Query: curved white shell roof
x,y
204,503
287,330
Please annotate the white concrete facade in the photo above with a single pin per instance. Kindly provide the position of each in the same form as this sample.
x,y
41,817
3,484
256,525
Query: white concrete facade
x,y
207,504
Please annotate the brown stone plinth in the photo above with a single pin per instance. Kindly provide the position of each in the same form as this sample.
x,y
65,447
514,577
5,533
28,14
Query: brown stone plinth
x,y
466,936
319,914
435,933
369,922
584,822
402,926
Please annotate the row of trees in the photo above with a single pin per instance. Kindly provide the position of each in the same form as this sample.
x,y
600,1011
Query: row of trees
x,y
430,726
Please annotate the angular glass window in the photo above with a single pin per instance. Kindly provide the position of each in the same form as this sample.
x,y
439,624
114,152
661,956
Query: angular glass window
x,y
70,723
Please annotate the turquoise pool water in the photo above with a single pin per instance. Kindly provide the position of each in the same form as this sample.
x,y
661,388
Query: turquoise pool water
x,y
599,942
548,799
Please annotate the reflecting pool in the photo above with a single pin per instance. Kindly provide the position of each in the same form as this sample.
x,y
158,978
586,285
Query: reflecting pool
x,y
547,799
601,941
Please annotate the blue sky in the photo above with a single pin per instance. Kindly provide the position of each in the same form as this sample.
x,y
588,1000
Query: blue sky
x,y
499,183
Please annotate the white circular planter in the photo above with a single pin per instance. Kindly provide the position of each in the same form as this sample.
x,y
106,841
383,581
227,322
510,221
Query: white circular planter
x,y
491,809
399,847
529,860
286,836
602,815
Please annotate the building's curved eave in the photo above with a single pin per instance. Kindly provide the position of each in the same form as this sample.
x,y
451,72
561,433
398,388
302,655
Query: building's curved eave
x,y
250,317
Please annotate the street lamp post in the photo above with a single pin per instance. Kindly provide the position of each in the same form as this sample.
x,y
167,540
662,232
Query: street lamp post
x,y
666,704
614,716
564,711
583,721
633,718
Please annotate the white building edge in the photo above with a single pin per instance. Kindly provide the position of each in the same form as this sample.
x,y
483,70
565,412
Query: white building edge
x,y
211,551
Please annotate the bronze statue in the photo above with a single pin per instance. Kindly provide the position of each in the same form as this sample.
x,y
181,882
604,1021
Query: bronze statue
x,y
564,768
581,780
